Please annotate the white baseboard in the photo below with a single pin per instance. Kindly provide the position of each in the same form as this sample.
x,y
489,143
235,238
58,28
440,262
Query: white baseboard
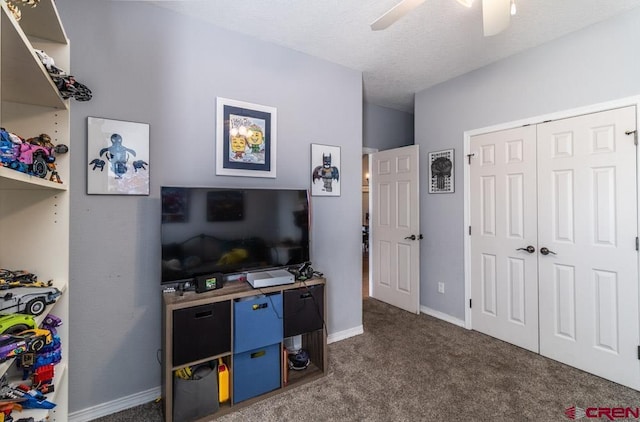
x,y
442,316
341,335
114,406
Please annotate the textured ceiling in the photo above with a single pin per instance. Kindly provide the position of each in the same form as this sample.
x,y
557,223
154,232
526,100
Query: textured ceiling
x,y
437,41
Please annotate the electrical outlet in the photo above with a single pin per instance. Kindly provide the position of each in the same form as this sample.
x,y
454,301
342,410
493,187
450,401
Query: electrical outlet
x,y
441,287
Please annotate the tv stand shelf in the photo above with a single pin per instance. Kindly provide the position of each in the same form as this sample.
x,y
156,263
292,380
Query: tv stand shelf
x,y
220,340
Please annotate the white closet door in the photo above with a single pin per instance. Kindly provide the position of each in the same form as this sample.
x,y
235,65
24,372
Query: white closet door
x,y
504,277
587,218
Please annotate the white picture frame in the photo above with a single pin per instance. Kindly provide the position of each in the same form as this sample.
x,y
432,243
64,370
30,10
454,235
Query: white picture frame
x,y
117,157
246,139
325,170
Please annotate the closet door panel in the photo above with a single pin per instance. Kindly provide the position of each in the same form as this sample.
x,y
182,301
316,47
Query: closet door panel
x,y
503,203
587,219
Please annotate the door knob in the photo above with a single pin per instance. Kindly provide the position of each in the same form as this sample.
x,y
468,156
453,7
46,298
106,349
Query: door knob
x,y
545,251
529,249
412,237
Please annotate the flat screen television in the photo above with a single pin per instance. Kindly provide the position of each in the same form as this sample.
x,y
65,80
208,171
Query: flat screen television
x,y
231,231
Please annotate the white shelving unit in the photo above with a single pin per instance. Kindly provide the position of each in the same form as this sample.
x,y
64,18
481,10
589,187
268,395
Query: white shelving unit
x,y
34,212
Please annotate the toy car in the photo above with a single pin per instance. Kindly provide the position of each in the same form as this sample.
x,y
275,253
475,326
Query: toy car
x,y
30,300
10,279
36,338
27,341
15,323
11,346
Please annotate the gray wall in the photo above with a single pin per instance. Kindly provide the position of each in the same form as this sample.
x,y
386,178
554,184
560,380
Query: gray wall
x,y
593,65
146,64
386,128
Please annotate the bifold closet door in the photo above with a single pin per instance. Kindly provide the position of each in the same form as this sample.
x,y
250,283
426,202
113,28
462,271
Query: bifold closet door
x,y
504,272
587,220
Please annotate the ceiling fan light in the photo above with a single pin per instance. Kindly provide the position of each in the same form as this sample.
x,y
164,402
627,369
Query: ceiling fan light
x,y
466,3
495,16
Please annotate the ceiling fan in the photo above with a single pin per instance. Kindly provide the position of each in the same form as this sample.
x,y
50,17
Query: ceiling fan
x,y
495,14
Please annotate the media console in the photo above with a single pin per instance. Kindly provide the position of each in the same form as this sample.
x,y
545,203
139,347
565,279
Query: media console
x,y
245,328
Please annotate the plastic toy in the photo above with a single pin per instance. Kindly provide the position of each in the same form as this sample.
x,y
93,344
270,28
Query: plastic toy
x,y
11,346
66,84
36,338
28,341
10,279
43,375
51,322
35,156
15,323
30,300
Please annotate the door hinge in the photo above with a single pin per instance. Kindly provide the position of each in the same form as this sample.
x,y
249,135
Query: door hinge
x,y
469,230
472,307
637,244
635,135
638,352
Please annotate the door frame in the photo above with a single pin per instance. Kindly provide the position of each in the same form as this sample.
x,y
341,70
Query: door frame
x,y
594,108
368,151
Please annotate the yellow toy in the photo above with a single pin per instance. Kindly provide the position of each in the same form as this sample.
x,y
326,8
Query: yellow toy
x,y
233,257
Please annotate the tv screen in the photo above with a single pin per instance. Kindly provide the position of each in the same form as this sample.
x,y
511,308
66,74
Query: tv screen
x,y
227,230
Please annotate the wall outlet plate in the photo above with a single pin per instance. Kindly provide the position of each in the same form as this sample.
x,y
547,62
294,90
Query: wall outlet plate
x,y
440,287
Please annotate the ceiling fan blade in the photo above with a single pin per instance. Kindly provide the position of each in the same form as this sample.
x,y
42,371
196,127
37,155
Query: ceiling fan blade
x,y
395,13
496,15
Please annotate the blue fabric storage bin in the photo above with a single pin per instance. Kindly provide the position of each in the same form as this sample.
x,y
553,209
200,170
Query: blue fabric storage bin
x,y
256,372
257,322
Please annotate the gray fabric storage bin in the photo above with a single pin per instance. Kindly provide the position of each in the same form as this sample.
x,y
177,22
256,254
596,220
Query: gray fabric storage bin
x,y
193,399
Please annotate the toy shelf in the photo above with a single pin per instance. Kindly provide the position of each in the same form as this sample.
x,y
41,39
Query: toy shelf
x,y
34,212
24,78
13,179
4,366
43,414
43,22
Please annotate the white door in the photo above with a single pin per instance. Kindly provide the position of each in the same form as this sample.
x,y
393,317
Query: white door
x,y
580,216
587,219
395,228
504,274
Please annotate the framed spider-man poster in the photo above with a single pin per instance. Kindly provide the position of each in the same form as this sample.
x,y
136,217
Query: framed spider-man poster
x,y
441,171
117,157
245,139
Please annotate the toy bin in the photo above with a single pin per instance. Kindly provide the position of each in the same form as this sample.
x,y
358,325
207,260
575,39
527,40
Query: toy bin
x,y
257,321
201,331
197,396
303,310
256,372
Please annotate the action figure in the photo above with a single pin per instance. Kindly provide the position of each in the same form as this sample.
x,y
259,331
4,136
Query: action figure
x,y
326,172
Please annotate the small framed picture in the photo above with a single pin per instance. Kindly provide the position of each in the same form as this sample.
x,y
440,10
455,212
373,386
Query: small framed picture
x,y
245,139
325,170
441,170
117,157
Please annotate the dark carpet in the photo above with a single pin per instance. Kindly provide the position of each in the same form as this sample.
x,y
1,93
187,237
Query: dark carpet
x,y
409,367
